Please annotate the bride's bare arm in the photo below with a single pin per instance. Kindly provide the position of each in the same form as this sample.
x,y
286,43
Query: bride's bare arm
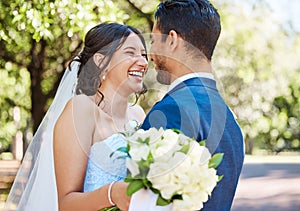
x,y
73,135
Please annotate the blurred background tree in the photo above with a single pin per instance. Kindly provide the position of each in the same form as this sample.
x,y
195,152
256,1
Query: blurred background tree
x,y
257,63
38,38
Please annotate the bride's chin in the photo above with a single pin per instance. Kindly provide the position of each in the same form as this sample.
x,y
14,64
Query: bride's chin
x,y
138,88
137,85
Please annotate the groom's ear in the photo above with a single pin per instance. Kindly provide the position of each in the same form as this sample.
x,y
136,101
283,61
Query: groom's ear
x,y
173,39
98,57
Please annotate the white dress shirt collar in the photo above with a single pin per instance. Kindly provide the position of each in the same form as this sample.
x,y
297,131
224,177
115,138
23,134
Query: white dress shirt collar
x,y
188,76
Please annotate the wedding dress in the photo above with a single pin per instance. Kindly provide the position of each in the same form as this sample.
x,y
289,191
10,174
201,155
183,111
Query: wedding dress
x,y
105,164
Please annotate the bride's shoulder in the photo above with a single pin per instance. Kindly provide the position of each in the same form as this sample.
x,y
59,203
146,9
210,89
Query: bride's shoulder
x,y
80,104
78,110
81,101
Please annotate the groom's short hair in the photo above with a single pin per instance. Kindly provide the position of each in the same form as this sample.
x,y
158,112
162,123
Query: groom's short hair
x,y
196,21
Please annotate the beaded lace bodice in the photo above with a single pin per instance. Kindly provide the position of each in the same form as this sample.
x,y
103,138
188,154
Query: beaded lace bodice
x,y
103,166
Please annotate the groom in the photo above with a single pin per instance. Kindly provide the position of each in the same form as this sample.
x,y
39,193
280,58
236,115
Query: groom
x,y
183,39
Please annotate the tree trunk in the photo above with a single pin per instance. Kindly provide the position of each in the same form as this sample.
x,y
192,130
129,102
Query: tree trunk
x,y
249,143
36,67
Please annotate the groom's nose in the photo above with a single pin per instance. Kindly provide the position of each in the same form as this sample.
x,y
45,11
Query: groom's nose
x,y
151,54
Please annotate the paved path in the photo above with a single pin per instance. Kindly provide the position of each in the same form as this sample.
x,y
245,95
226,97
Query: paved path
x,y
269,186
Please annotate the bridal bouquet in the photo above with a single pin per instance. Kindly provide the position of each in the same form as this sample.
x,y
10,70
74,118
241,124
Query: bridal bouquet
x,y
177,168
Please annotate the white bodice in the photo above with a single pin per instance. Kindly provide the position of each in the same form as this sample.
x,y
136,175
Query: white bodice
x,y
105,163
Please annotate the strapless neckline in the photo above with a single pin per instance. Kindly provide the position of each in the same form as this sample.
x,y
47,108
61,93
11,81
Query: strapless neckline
x,y
109,138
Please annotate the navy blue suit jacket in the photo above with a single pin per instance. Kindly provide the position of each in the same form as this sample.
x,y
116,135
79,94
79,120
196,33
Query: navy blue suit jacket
x,y
196,108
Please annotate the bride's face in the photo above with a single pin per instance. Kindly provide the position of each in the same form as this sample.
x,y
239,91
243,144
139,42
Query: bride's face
x,y
128,66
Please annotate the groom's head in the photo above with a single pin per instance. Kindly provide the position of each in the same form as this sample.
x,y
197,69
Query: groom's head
x,y
183,30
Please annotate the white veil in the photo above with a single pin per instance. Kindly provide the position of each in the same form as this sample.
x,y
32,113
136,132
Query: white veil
x,y
34,187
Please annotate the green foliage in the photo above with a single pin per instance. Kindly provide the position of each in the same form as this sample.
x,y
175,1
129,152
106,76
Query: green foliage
x,y
134,186
257,60
37,38
215,160
113,208
285,119
11,99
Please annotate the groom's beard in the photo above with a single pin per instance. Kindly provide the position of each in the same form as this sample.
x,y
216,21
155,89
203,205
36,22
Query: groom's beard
x,y
163,75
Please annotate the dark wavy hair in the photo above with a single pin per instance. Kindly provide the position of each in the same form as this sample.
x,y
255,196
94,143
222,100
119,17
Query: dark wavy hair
x,y
197,22
105,38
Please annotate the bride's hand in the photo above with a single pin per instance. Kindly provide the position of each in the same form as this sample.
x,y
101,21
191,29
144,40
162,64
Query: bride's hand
x,y
119,196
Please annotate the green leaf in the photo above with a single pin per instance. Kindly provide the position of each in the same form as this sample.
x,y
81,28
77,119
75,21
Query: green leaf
x,y
114,208
144,167
121,149
185,149
150,157
154,190
147,140
177,196
202,143
123,133
122,157
215,161
147,183
161,201
220,178
129,179
134,187
140,140
176,130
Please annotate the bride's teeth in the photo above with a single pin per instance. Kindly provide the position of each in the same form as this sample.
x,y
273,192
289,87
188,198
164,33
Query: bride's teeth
x,y
134,73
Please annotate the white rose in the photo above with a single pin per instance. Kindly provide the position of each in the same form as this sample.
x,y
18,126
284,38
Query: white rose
x,y
171,135
163,178
131,127
183,139
138,134
182,164
199,154
165,184
167,189
199,194
153,134
166,146
170,176
178,163
158,169
139,151
188,203
132,166
209,179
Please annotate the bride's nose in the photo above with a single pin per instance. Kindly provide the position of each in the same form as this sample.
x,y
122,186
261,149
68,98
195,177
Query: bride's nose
x,y
142,61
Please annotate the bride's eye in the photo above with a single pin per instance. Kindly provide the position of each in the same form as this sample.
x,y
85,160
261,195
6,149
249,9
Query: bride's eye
x,y
131,53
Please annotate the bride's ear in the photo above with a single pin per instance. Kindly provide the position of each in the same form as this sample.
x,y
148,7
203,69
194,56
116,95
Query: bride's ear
x,y
98,57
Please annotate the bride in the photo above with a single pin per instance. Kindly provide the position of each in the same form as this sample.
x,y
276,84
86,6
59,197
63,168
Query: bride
x,y
68,165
